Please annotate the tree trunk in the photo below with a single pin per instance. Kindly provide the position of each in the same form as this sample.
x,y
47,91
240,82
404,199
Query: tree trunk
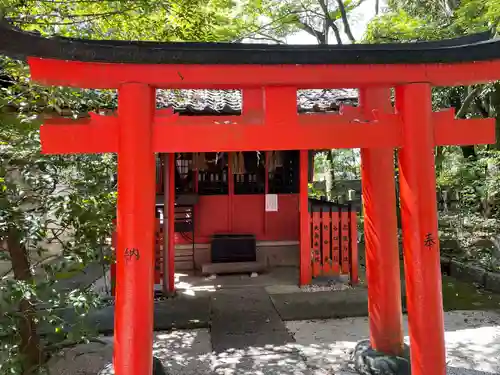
x,y
495,107
497,130
469,152
396,178
330,157
30,348
439,158
329,23
345,21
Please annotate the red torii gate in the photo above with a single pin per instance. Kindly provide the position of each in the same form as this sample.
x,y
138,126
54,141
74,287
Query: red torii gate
x,y
269,77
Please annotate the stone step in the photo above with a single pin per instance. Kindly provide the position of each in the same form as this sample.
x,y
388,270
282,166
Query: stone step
x,y
184,265
233,267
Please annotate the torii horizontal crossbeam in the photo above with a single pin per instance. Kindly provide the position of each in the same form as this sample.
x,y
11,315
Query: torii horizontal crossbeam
x,y
110,76
99,134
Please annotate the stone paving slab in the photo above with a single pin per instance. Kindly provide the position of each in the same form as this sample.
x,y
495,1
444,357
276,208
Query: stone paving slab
x,y
321,305
187,353
240,320
240,312
81,279
181,312
265,363
182,353
222,341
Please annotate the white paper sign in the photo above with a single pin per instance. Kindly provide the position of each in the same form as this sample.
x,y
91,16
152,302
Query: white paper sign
x,y
271,202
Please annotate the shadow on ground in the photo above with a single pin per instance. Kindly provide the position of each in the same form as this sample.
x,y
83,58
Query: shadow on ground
x,y
471,341
320,347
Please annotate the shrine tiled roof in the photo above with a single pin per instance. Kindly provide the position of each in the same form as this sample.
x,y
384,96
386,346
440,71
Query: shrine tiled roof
x,y
228,102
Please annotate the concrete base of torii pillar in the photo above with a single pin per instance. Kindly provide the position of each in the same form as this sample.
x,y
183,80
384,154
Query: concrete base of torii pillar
x,y
368,361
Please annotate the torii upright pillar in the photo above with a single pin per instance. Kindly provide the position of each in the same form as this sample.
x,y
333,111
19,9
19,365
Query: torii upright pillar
x,y
420,231
381,242
133,351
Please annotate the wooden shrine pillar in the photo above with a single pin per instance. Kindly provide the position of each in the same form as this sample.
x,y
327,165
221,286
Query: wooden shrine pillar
x,y
420,230
381,236
305,232
171,222
168,282
230,191
135,254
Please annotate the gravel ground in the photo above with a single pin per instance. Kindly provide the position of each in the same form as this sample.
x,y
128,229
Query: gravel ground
x,y
322,347
472,342
324,288
328,284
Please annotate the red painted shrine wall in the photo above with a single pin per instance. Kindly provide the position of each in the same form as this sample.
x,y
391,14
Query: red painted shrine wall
x,y
246,214
237,205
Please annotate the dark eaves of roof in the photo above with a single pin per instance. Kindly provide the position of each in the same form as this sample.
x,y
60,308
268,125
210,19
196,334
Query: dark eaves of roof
x,y
19,44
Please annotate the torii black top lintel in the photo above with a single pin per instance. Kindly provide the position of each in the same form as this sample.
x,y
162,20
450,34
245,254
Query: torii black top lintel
x,y
21,45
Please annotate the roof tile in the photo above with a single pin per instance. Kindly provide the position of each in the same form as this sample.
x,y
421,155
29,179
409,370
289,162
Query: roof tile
x,y
228,102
